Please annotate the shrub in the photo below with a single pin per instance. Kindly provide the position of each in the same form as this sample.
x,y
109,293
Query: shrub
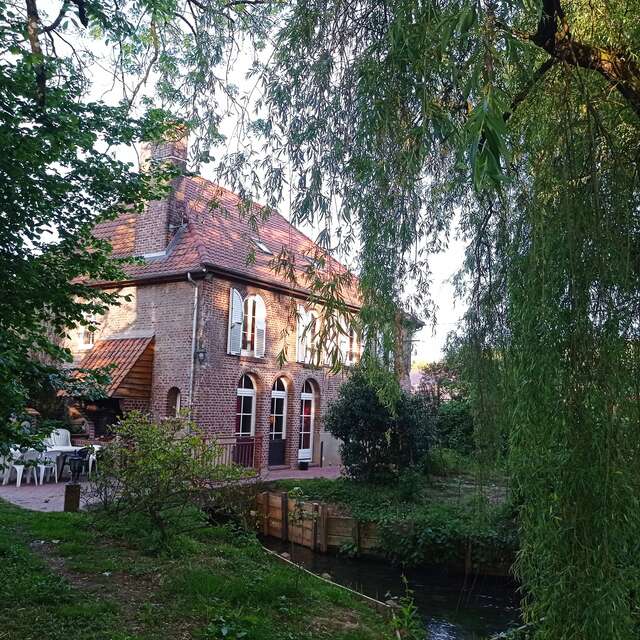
x,y
454,426
165,473
375,443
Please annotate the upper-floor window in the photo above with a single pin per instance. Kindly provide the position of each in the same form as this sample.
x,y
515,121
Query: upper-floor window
x,y
87,332
247,325
349,343
341,340
308,336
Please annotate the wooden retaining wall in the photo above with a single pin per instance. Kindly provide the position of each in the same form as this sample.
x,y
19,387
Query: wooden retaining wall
x,y
312,524
322,527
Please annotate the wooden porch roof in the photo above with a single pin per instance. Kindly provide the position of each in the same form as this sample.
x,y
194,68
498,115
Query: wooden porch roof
x,y
132,372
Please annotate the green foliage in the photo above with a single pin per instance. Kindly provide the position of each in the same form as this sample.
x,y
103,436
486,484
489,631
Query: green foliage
x,y
59,178
424,525
221,583
406,617
394,116
170,476
454,426
449,462
374,442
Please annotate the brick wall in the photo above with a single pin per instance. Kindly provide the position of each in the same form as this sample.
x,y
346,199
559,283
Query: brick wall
x,y
164,310
216,380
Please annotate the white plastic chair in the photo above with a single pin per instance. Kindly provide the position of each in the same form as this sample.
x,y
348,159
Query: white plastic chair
x,y
30,462
93,458
5,468
48,461
58,438
15,462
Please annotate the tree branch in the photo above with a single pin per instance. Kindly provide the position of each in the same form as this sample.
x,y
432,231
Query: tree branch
x,y
554,36
33,27
58,20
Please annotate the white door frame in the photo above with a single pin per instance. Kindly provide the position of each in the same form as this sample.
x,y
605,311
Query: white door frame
x,y
283,396
307,454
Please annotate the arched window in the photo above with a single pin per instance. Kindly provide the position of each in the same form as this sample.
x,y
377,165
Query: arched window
x,y
173,402
245,407
308,336
307,421
247,325
278,421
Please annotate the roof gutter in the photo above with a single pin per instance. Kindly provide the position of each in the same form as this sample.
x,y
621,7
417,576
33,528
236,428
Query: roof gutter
x,y
264,284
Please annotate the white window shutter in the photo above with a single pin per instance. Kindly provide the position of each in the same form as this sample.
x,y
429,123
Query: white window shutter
x,y
261,327
301,338
236,318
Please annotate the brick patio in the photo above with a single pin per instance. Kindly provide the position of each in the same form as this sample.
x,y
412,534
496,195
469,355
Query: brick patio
x,y
50,497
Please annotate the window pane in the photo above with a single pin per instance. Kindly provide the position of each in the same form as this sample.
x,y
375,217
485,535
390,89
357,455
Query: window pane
x,y
247,404
277,428
245,425
246,382
279,408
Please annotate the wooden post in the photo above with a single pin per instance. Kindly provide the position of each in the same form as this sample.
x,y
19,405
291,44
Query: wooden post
x,y
315,514
284,530
355,533
323,528
265,513
72,497
467,559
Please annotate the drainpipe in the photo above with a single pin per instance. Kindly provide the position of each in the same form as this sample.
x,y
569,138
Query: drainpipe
x,y
193,336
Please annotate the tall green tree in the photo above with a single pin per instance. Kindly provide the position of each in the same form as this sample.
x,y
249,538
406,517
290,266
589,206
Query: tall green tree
x,y
58,178
59,173
524,115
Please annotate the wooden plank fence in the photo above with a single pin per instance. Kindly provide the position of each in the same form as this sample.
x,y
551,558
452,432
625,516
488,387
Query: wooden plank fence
x,y
312,524
322,527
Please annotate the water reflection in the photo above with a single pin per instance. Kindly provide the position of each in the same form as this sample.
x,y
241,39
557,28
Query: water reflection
x,y
453,608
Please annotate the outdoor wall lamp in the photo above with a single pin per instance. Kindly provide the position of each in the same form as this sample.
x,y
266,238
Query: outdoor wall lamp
x,y
201,354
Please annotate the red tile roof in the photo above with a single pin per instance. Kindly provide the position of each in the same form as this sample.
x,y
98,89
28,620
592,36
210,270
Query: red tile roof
x,y
122,352
219,235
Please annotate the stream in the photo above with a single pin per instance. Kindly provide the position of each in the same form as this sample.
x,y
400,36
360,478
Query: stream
x,y
451,608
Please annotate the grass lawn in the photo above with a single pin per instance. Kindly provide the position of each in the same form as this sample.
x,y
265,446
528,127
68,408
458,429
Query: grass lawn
x,y
62,579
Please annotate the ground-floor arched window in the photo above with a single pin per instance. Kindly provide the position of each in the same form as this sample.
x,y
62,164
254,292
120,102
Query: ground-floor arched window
x,y
173,402
278,421
245,407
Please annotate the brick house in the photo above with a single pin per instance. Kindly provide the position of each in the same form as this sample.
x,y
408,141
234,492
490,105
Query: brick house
x,y
202,327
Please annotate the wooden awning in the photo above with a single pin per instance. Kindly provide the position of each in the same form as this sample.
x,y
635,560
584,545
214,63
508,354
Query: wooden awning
x,y
133,359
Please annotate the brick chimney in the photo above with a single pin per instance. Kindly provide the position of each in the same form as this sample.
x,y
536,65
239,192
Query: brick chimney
x,y
157,224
